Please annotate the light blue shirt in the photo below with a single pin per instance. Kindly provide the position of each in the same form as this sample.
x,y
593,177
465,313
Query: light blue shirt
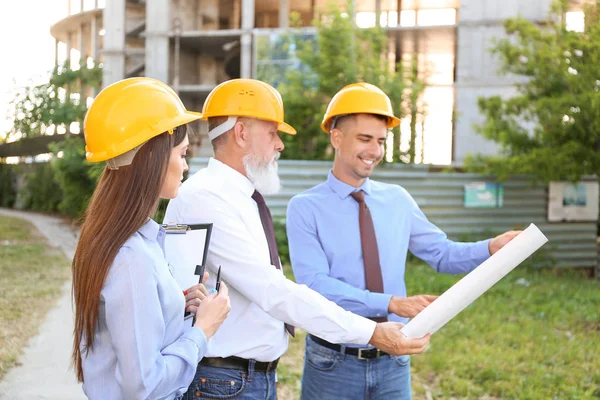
x,y
142,349
326,253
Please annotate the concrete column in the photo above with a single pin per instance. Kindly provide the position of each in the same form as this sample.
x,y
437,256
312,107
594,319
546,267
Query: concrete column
x,y
235,19
284,13
55,53
377,12
68,64
246,39
68,7
69,48
114,42
158,24
398,33
81,5
81,43
82,61
208,15
94,33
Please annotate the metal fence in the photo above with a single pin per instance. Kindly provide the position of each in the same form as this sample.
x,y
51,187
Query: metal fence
x,y
440,195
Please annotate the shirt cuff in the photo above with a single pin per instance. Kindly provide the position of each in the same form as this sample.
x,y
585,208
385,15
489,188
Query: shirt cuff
x,y
364,329
197,336
481,252
380,303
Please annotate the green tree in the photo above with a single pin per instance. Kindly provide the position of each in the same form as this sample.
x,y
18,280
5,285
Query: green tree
x,y
53,103
551,128
309,70
57,103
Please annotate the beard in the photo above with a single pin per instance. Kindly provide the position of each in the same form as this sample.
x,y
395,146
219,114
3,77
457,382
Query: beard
x,y
263,173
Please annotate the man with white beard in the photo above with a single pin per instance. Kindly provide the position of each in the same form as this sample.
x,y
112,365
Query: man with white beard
x,y
244,117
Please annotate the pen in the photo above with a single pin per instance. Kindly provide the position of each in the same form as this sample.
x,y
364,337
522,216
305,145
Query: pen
x,y
218,284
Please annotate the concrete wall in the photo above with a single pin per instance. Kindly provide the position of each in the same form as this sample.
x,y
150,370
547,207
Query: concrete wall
x,y
196,68
188,67
479,23
197,15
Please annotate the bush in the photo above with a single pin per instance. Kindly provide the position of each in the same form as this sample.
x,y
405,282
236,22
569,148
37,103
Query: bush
x,y
76,176
8,194
159,215
282,241
42,191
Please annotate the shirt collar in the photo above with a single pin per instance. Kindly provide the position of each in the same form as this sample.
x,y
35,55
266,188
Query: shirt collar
x,y
152,231
343,190
232,176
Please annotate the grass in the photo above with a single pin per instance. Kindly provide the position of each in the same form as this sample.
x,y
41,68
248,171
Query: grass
x,y
534,335
32,274
289,369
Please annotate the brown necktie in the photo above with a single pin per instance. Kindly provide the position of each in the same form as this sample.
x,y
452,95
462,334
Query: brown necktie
x,y
373,278
267,223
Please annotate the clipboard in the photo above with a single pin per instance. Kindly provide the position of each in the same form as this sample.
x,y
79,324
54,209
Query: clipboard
x,y
186,265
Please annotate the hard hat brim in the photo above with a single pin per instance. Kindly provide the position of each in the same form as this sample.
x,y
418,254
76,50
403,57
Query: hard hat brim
x,y
190,116
393,122
283,127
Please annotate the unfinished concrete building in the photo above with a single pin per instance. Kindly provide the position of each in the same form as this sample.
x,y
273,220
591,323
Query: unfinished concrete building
x,y
195,44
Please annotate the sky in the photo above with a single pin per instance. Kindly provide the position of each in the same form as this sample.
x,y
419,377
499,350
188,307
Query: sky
x,y
26,46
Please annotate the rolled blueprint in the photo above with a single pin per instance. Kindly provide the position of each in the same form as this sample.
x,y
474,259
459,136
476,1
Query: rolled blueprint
x,y
474,284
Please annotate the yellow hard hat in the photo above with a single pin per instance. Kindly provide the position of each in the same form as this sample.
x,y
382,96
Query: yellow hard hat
x,y
246,98
130,112
359,98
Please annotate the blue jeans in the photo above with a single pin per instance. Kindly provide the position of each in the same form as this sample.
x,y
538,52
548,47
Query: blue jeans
x,y
330,375
225,383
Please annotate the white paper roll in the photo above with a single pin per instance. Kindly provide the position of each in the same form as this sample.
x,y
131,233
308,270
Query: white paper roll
x,y
473,285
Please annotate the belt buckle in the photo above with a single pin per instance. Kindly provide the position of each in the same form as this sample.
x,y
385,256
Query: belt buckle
x,y
360,357
360,351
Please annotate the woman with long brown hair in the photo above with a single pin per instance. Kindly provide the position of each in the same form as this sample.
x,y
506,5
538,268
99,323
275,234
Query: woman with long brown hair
x,y
130,341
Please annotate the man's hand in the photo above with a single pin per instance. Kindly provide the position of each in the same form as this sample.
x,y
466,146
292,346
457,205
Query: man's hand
x,y
500,241
409,307
388,338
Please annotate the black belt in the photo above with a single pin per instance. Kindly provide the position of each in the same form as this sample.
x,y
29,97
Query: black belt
x,y
239,363
362,354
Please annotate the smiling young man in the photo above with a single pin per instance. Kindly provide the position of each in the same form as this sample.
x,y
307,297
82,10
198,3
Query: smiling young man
x,y
349,238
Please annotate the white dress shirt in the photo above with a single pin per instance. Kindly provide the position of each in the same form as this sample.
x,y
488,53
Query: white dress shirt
x,y
262,299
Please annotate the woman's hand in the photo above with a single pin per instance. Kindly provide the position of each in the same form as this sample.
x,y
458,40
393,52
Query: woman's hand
x,y
212,311
195,294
